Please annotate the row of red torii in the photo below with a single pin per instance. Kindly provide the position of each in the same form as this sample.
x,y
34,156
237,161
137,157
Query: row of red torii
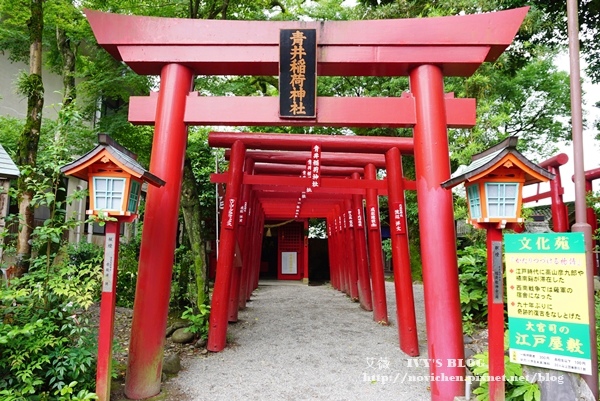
x,y
272,188
424,49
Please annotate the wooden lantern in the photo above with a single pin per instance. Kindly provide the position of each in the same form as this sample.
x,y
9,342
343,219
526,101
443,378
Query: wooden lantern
x,y
114,177
494,183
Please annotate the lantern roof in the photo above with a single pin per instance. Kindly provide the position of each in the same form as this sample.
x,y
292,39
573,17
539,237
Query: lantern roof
x,y
485,162
8,169
123,158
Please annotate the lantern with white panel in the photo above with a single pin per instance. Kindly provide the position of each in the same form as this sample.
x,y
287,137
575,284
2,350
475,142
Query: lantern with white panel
x,y
494,184
115,180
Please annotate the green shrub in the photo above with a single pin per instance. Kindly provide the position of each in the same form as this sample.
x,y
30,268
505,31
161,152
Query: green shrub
x,y
127,273
47,348
516,387
415,257
472,276
198,320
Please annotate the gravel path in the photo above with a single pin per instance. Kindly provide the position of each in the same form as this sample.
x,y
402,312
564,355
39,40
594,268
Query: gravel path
x,y
298,342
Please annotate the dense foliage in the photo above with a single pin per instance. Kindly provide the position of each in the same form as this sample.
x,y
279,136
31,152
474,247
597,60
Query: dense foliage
x,y
47,346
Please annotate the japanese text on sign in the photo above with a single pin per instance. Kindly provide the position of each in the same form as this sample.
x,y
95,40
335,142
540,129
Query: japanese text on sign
x,y
297,73
373,219
547,301
398,218
108,274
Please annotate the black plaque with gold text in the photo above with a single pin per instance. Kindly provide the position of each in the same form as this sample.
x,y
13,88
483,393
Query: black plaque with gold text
x,y
297,73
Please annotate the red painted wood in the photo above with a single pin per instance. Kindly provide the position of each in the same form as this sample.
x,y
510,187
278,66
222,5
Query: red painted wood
x,y
327,159
362,264
555,161
217,330
378,47
297,169
350,245
395,112
593,174
258,242
495,321
592,220
301,183
107,316
243,228
334,60
353,144
405,310
375,257
153,288
250,228
438,241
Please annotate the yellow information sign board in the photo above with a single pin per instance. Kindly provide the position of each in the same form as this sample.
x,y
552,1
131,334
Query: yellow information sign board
x,y
547,301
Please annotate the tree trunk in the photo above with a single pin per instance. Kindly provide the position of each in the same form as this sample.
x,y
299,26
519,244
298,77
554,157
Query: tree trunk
x,y
67,52
30,136
190,206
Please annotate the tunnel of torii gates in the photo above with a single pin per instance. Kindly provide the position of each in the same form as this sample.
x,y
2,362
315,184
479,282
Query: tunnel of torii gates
x,y
424,49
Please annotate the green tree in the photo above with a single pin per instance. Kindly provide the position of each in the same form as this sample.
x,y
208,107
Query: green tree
x,y
31,86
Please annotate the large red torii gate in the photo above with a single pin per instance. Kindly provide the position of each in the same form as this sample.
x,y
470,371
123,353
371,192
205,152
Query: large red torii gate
x,y
280,202
424,49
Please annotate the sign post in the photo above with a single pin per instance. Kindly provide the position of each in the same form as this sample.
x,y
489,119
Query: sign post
x,y
115,180
547,301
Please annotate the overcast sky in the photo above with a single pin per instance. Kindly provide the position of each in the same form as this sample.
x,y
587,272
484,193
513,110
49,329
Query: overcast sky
x,y
591,146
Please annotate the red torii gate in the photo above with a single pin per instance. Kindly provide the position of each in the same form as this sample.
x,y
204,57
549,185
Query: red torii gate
x,y
283,207
424,49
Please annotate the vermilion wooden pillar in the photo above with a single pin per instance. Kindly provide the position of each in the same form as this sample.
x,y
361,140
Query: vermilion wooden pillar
x,y
217,329
343,252
255,271
249,249
336,251
339,253
438,241
107,312
375,255
332,276
305,250
364,280
560,216
495,319
331,244
257,265
405,302
242,233
593,222
153,288
351,249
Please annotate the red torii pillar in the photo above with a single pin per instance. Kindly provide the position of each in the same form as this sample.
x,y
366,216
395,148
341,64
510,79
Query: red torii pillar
x,y
560,216
405,300
221,293
332,259
242,233
350,244
248,258
364,280
158,238
438,240
592,219
375,256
